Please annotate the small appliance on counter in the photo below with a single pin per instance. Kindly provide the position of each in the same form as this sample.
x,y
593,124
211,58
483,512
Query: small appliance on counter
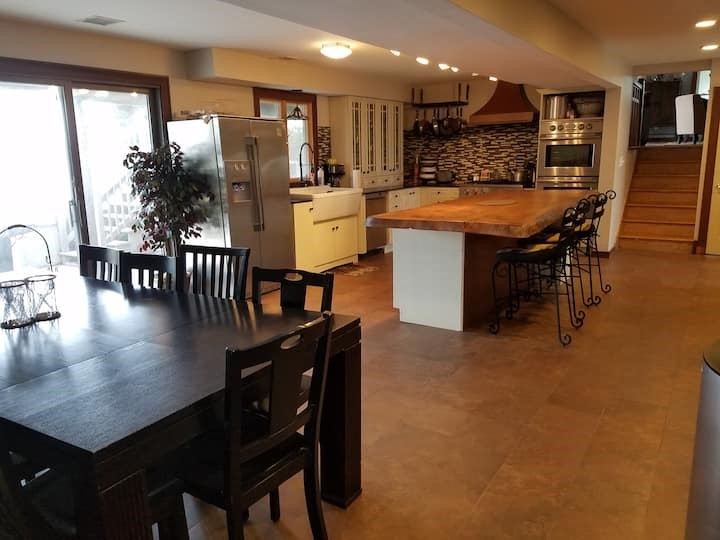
x,y
333,172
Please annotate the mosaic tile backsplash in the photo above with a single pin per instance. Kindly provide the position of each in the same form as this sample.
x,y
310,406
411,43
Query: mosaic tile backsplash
x,y
476,148
324,149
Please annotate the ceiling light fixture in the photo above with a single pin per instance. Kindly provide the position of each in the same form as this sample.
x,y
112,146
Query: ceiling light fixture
x,y
493,78
707,23
443,66
423,61
336,51
454,69
395,53
475,74
710,47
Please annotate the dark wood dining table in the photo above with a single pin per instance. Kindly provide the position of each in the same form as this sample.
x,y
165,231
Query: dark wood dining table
x,y
128,374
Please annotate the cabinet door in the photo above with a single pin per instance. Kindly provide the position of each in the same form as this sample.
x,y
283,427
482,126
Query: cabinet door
x,y
394,200
428,196
324,236
357,133
345,233
304,236
413,198
369,138
396,137
448,194
384,149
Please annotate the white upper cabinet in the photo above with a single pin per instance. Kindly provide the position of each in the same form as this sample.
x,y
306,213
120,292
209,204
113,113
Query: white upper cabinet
x,y
366,135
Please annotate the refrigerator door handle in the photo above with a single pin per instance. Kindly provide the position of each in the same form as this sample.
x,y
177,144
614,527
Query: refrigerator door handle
x,y
252,155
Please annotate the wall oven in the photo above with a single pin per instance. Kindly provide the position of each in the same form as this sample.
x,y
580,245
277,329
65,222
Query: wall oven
x,y
569,148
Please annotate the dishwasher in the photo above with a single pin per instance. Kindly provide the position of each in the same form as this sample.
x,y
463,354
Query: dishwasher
x,y
375,203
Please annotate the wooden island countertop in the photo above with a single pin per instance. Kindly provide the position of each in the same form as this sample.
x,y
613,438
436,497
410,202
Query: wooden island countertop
x,y
509,214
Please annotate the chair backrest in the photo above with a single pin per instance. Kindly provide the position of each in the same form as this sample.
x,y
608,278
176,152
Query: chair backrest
x,y
293,286
99,262
148,270
213,271
283,360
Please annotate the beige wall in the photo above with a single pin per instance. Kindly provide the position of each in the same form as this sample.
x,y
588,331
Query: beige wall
x,y
617,162
713,244
51,44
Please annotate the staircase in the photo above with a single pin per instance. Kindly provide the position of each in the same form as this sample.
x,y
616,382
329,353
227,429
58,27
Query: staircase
x,y
660,210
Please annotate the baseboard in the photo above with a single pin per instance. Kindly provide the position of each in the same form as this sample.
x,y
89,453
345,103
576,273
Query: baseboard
x,y
604,254
698,248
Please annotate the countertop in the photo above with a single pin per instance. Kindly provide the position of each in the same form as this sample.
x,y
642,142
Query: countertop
x,y
511,214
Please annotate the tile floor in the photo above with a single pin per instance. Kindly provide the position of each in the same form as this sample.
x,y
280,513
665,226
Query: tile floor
x,y
474,436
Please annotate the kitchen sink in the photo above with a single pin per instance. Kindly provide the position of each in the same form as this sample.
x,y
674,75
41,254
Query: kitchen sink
x,y
329,202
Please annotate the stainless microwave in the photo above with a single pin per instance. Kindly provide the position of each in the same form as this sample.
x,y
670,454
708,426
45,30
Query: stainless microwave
x,y
569,157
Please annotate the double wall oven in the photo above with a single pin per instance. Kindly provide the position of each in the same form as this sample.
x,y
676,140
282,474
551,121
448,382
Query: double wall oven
x,y
569,153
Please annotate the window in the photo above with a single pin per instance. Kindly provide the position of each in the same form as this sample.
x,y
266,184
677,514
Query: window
x,y
83,120
279,104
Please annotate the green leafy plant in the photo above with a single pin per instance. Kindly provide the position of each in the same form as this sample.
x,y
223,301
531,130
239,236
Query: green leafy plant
x,y
173,197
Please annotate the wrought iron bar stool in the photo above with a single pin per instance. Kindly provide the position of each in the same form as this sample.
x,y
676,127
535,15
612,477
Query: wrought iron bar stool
x,y
546,267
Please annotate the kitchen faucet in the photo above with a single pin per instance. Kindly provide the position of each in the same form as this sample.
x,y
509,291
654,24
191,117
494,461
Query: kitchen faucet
x,y
312,154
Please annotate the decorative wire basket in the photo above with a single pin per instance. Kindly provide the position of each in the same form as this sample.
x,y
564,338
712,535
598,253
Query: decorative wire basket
x,y
28,300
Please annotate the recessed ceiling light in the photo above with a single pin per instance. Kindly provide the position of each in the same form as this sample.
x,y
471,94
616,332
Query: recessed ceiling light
x,y
707,23
395,53
492,78
454,69
423,61
443,66
710,47
336,51
475,74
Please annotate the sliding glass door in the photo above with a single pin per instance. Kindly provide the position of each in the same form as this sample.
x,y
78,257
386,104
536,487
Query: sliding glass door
x,y
64,133
108,122
36,178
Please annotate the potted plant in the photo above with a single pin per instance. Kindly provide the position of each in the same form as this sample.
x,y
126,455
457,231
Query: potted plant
x,y
172,197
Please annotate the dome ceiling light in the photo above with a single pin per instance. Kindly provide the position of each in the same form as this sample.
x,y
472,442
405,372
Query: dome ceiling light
x,y
710,47
422,60
394,52
443,66
336,51
706,23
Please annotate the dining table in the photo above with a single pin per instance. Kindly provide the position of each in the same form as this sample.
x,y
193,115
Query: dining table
x,y
128,374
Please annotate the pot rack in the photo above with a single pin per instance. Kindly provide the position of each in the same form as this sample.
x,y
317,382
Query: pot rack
x,y
440,104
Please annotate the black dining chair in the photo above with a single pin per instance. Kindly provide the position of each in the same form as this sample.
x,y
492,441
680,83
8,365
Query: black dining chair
x,y
148,270
213,271
257,450
293,286
46,506
99,262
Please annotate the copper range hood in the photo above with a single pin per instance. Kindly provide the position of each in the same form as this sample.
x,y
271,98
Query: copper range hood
x,y
508,105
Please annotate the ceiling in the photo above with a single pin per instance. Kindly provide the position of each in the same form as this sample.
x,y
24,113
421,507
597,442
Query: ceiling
x,y
433,28
648,31
436,29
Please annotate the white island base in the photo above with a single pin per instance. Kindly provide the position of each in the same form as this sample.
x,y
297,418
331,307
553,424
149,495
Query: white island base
x,y
443,279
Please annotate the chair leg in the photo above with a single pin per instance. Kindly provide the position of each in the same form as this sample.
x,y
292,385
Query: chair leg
x,y
275,504
565,339
312,498
494,326
577,317
604,287
235,527
592,299
174,526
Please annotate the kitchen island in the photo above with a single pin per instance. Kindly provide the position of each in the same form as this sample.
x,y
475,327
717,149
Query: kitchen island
x,y
443,254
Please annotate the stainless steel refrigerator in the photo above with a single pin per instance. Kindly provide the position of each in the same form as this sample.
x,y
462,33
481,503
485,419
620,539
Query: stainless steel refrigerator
x,y
247,160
